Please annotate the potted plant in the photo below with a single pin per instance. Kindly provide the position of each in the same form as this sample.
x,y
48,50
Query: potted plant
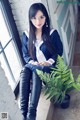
x,y
59,83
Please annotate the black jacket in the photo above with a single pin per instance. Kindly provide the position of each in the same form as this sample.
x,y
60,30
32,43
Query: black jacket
x,y
55,40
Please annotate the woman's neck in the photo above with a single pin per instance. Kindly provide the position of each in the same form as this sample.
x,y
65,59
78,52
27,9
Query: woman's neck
x,y
39,34
38,31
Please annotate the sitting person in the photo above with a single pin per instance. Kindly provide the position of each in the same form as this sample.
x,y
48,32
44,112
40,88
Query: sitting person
x,y
40,50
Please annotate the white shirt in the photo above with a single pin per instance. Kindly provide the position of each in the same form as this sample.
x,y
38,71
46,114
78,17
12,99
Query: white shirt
x,y
39,54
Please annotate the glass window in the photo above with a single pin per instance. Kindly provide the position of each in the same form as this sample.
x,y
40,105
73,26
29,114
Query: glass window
x,y
4,34
9,56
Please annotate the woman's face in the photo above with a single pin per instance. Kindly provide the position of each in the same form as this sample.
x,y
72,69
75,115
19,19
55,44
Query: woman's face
x,y
38,20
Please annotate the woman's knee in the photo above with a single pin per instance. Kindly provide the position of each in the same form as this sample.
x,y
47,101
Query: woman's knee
x,y
25,75
36,79
25,70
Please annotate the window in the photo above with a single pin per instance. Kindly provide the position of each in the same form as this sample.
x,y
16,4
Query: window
x,y
9,53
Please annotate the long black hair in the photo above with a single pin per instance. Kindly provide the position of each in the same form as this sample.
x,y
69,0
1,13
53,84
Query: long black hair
x,y
32,29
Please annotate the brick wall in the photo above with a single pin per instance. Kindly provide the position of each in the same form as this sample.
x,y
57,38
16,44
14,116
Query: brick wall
x,y
20,13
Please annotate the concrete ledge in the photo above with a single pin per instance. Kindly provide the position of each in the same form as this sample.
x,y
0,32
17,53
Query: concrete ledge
x,y
71,113
50,112
43,108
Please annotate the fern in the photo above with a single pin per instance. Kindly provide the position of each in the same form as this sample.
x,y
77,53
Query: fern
x,y
59,82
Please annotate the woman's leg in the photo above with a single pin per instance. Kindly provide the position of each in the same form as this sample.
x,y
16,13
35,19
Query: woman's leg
x,y
25,77
35,95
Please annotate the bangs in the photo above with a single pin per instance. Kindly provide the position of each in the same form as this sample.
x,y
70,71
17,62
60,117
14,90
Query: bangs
x,y
35,8
32,13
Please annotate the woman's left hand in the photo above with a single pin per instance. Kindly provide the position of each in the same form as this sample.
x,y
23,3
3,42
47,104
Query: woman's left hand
x,y
44,63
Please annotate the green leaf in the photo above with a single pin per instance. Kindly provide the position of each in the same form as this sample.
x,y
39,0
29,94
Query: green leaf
x,y
78,79
77,86
60,81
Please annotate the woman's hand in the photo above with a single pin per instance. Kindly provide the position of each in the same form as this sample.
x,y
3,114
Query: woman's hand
x,y
35,63
44,63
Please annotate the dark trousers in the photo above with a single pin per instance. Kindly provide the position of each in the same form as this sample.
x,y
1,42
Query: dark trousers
x,y
29,109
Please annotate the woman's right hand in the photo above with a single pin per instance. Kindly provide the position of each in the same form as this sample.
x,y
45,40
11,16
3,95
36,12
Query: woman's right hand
x,y
34,62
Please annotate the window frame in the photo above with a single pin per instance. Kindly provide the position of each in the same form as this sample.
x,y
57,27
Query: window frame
x,y
10,22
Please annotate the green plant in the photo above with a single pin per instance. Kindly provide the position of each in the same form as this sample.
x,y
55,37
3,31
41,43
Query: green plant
x,y
59,82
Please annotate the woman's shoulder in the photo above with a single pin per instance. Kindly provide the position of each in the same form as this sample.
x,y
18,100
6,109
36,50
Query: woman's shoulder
x,y
25,37
53,31
54,34
26,33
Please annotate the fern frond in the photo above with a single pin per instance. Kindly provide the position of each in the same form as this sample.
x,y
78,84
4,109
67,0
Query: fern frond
x,y
60,81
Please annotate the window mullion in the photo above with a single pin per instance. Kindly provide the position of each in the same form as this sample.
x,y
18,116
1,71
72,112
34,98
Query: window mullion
x,y
7,63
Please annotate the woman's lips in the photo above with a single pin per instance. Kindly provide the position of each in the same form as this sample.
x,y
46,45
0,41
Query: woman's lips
x,y
39,25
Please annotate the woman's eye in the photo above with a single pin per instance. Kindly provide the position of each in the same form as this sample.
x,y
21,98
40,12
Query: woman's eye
x,y
34,17
42,17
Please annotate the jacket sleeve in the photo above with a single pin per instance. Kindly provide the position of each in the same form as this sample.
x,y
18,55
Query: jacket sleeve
x,y
57,44
25,51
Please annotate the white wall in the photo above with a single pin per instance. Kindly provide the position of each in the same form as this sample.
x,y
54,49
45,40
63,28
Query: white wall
x,y
20,13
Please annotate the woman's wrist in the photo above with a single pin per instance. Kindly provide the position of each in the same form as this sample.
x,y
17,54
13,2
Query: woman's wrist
x,y
31,61
50,61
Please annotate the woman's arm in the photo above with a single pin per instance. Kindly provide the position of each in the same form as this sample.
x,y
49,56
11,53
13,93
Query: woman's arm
x,y
57,44
25,51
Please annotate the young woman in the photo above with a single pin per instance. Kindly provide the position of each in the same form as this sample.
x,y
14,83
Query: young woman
x,y
40,50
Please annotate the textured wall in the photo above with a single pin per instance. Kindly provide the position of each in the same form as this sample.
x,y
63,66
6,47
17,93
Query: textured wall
x,y
7,99
20,13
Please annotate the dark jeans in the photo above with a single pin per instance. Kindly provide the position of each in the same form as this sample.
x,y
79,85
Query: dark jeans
x,y
29,109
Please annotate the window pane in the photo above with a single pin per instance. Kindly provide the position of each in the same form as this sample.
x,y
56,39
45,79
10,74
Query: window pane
x,y
4,34
6,70
11,54
9,58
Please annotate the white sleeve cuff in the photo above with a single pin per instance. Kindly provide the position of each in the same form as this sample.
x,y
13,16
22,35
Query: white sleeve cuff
x,y
50,61
31,61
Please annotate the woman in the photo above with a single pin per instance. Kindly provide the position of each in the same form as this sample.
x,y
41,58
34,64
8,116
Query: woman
x,y
40,50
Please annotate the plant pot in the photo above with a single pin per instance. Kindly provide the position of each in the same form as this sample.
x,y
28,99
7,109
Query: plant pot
x,y
65,103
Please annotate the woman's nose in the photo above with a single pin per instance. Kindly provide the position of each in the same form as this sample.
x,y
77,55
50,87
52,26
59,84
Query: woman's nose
x,y
38,21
